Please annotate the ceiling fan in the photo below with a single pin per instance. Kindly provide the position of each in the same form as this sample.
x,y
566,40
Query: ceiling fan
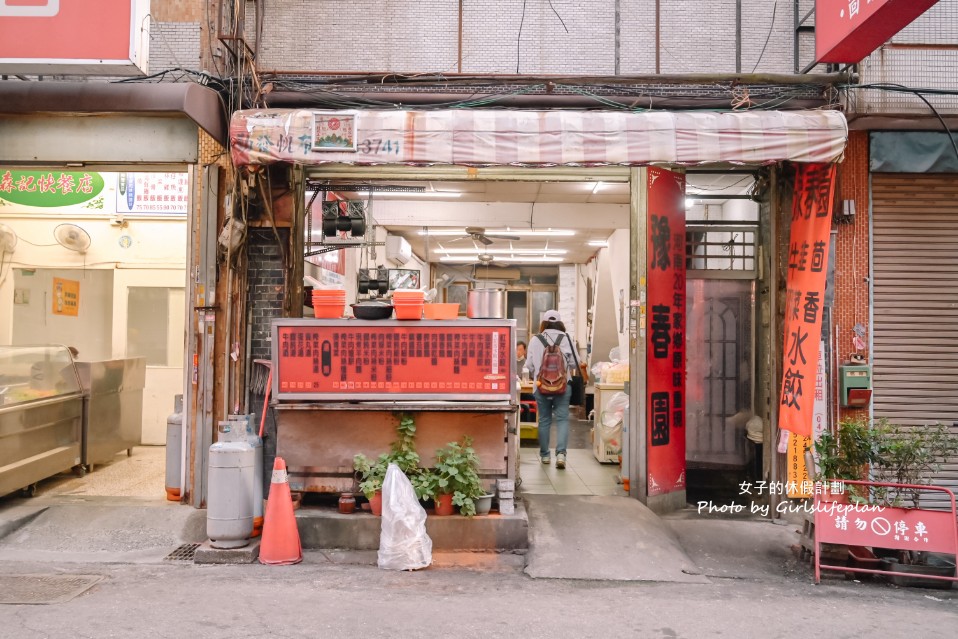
x,y
478,234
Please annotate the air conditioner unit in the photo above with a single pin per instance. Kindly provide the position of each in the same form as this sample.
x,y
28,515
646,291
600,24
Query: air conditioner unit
x,y
398,249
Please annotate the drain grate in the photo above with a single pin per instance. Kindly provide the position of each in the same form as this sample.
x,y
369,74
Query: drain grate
x,y
43,589
186,552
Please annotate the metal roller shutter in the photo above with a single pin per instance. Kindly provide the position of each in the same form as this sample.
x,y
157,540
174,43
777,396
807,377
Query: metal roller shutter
x,y
915,264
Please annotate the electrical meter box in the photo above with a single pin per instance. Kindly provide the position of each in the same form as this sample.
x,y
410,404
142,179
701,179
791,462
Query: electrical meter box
x,y
855,385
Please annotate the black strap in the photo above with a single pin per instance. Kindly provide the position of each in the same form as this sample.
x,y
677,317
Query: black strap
x,y
574,356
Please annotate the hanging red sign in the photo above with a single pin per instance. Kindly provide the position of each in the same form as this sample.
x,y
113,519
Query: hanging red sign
x,y
848,30
665,338
805,294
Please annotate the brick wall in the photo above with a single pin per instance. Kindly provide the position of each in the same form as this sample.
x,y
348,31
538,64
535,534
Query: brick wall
x,y
851,258
397,35
266,289
174,45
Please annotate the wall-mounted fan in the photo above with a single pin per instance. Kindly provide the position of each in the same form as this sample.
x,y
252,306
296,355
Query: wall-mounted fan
x,y
8,239
478,234
72,237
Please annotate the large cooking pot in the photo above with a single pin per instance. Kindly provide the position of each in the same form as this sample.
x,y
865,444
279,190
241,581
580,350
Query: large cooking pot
x,y
372,310
486,303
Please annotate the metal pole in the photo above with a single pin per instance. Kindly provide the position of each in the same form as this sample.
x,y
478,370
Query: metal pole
x,y
738,36
773,340
638,473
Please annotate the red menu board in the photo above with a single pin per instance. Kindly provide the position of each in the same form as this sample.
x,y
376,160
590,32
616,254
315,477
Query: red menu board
x,y
666,335
351,359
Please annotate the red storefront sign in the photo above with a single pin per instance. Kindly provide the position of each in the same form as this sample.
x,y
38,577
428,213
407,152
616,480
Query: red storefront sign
x,y
848,30
109,37
913,529
665,376
805,294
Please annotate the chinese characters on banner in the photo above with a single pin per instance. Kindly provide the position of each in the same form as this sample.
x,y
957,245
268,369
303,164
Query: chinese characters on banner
x,y
666,335
66,297
800,480
805,294
152,193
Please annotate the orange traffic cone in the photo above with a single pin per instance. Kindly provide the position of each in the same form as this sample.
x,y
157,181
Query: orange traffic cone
x,y
280,544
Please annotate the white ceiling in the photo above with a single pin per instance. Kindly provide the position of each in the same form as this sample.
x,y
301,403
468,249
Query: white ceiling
x,y
589,211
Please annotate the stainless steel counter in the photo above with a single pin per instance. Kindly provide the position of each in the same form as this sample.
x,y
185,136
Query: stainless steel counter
x,y
113,407
41,415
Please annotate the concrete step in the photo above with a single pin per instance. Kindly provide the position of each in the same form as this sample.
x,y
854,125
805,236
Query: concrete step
x,y
323,528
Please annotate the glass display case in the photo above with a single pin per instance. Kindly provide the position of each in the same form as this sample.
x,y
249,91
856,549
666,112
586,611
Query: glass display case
x,y
41,415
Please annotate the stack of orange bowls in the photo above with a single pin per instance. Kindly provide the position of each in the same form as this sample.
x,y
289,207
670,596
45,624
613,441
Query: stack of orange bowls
x,y
329,303
408,304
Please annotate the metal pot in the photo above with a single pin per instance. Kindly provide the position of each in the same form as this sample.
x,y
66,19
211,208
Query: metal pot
x,y
372,310
486,303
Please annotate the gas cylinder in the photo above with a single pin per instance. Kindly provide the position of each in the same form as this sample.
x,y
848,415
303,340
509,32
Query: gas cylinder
x,y
229,507
257,443
174,449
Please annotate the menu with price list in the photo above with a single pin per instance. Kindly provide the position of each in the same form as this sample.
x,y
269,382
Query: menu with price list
x,y
391,359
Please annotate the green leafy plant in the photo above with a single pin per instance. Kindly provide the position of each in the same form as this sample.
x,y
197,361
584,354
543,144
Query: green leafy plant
x,y
402,453
457,473
847,454
911,455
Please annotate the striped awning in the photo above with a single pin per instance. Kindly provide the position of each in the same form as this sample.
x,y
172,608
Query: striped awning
x,y
534,138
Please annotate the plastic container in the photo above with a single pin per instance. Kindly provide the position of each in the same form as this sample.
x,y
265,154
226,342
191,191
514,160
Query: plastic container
x,y
329,311
411,311
443,311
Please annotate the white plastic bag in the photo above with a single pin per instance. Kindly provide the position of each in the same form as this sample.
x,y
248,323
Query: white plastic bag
x,y
610,424
403,542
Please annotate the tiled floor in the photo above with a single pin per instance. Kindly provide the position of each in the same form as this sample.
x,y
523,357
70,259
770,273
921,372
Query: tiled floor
x,y
583,475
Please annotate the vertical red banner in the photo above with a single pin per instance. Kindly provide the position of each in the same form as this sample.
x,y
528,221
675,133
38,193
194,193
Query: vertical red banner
x,y
665,377
805,294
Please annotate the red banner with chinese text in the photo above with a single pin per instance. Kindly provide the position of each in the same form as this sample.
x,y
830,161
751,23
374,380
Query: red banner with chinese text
x,y
805,293
665,385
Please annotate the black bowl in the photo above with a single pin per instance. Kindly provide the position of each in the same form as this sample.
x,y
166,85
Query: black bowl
x,y
372,310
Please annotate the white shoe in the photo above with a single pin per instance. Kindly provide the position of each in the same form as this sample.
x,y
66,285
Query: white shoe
x,y
560,460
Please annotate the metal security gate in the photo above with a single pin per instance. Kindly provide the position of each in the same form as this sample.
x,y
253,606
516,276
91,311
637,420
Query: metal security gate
x,y
915,301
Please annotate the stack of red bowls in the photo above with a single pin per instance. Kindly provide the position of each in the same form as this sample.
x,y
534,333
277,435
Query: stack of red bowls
x,y
329,303
409,304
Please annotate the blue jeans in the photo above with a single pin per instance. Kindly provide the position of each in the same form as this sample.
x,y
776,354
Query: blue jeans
x,y
553,408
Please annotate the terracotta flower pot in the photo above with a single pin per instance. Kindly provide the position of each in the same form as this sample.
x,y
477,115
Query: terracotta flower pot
x,y
444,504
376,503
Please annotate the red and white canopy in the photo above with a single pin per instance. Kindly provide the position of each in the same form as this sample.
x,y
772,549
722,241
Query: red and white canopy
x,y
534,138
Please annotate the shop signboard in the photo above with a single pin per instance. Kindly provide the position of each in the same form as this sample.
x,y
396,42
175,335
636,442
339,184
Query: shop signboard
x,y
848,30
351,359
93,37
805,293
94,193
665,337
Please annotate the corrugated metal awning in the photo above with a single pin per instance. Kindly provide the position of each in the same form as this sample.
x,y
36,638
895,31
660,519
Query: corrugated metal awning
x,y
535,138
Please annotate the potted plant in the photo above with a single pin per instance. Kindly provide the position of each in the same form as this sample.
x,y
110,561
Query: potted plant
x,y
402,453
847,454
454,481
910,455
371,476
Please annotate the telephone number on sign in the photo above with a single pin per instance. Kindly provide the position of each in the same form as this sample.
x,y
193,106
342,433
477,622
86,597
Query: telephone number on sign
x,y
379,146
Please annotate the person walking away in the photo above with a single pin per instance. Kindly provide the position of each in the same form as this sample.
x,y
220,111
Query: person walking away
x,y
550,361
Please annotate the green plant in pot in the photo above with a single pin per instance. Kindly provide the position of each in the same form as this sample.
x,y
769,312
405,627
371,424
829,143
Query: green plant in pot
x,y
911,455
455,478
847,454
371,474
